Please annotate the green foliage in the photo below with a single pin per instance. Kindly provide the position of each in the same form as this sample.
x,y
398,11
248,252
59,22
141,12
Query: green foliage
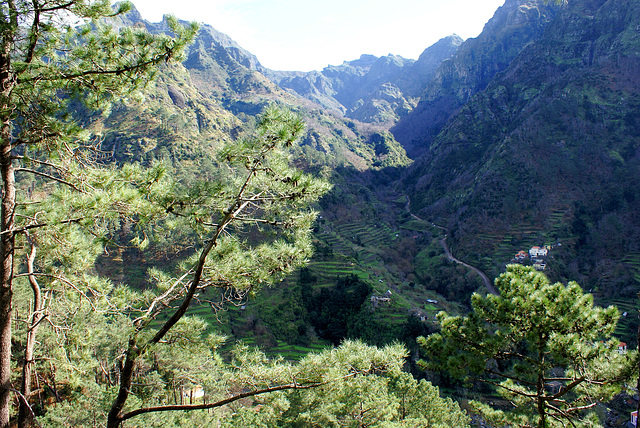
x,y
92,63
58,207
334,311
438,273
251,220
545,346
388,398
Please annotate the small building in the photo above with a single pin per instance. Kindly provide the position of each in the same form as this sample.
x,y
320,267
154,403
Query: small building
x,y
422,317
376,300
539,265
622,348
634,419
538,252
520,256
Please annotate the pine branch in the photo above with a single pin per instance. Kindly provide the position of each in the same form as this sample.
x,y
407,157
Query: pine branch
x,y
515,391
166,56
290,386
138,321
510,377
566,389
39,162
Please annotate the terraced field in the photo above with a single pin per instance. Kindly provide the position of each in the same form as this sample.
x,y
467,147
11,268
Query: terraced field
x,y
633,261
356,250
628,323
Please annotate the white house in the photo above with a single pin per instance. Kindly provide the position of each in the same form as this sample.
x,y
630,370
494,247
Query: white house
x,y
538,252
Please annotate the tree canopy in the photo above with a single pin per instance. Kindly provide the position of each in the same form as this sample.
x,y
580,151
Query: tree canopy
x,y
53,54
103,352
546,347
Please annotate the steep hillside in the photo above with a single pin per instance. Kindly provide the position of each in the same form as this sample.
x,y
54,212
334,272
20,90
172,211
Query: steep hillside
x,y
217,92
549,153
514,25
371,89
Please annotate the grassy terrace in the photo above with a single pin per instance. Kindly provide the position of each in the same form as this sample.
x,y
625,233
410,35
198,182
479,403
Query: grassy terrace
x,y
633,261
628,323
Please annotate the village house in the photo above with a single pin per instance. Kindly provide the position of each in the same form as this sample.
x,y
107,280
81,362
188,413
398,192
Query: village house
x,y
422,317
376,300
536,252
520,256
539,265
622,348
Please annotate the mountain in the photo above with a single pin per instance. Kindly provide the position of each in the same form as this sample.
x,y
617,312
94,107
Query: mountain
x,y
371,89
514,25
547,153
216,93
525,135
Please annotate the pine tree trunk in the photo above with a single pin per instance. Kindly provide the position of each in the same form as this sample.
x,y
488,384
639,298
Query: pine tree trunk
x,y
542,423
7,212
114,419
6,278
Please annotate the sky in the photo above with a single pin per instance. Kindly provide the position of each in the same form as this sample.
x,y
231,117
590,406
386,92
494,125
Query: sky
x,y
303,35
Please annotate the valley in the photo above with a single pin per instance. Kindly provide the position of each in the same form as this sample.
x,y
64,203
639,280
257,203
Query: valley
x,y
492,182
483,174
288,245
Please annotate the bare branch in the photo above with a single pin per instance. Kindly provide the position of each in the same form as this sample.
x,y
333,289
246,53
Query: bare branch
x,y
50,177
64,280
567,388
138,321
39,225
40,162
24,400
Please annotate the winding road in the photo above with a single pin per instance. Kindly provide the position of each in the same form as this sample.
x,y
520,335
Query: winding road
x,y
487,282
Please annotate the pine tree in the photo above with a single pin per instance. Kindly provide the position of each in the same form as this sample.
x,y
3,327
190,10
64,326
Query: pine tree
x,y
385,397
52,54
545,347
257,193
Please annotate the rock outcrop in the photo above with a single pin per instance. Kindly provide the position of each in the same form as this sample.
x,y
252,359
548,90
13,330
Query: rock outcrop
x,y
514,26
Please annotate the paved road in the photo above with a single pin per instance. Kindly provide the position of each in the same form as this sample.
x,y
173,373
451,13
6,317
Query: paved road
x,y
487,282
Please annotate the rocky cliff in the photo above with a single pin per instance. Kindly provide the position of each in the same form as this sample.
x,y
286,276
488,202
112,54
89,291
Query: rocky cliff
x,y
215,93
371,89
514,25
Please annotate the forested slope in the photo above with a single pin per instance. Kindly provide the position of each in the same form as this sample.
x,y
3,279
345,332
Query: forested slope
x,y
548,153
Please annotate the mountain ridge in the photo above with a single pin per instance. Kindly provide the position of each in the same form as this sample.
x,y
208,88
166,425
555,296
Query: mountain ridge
x,y
513,26
372,89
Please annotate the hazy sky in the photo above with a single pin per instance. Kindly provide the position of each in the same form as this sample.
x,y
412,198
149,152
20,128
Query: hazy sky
x,y
309,35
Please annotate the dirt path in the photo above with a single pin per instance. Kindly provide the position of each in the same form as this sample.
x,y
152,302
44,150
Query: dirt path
x,y
487,282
